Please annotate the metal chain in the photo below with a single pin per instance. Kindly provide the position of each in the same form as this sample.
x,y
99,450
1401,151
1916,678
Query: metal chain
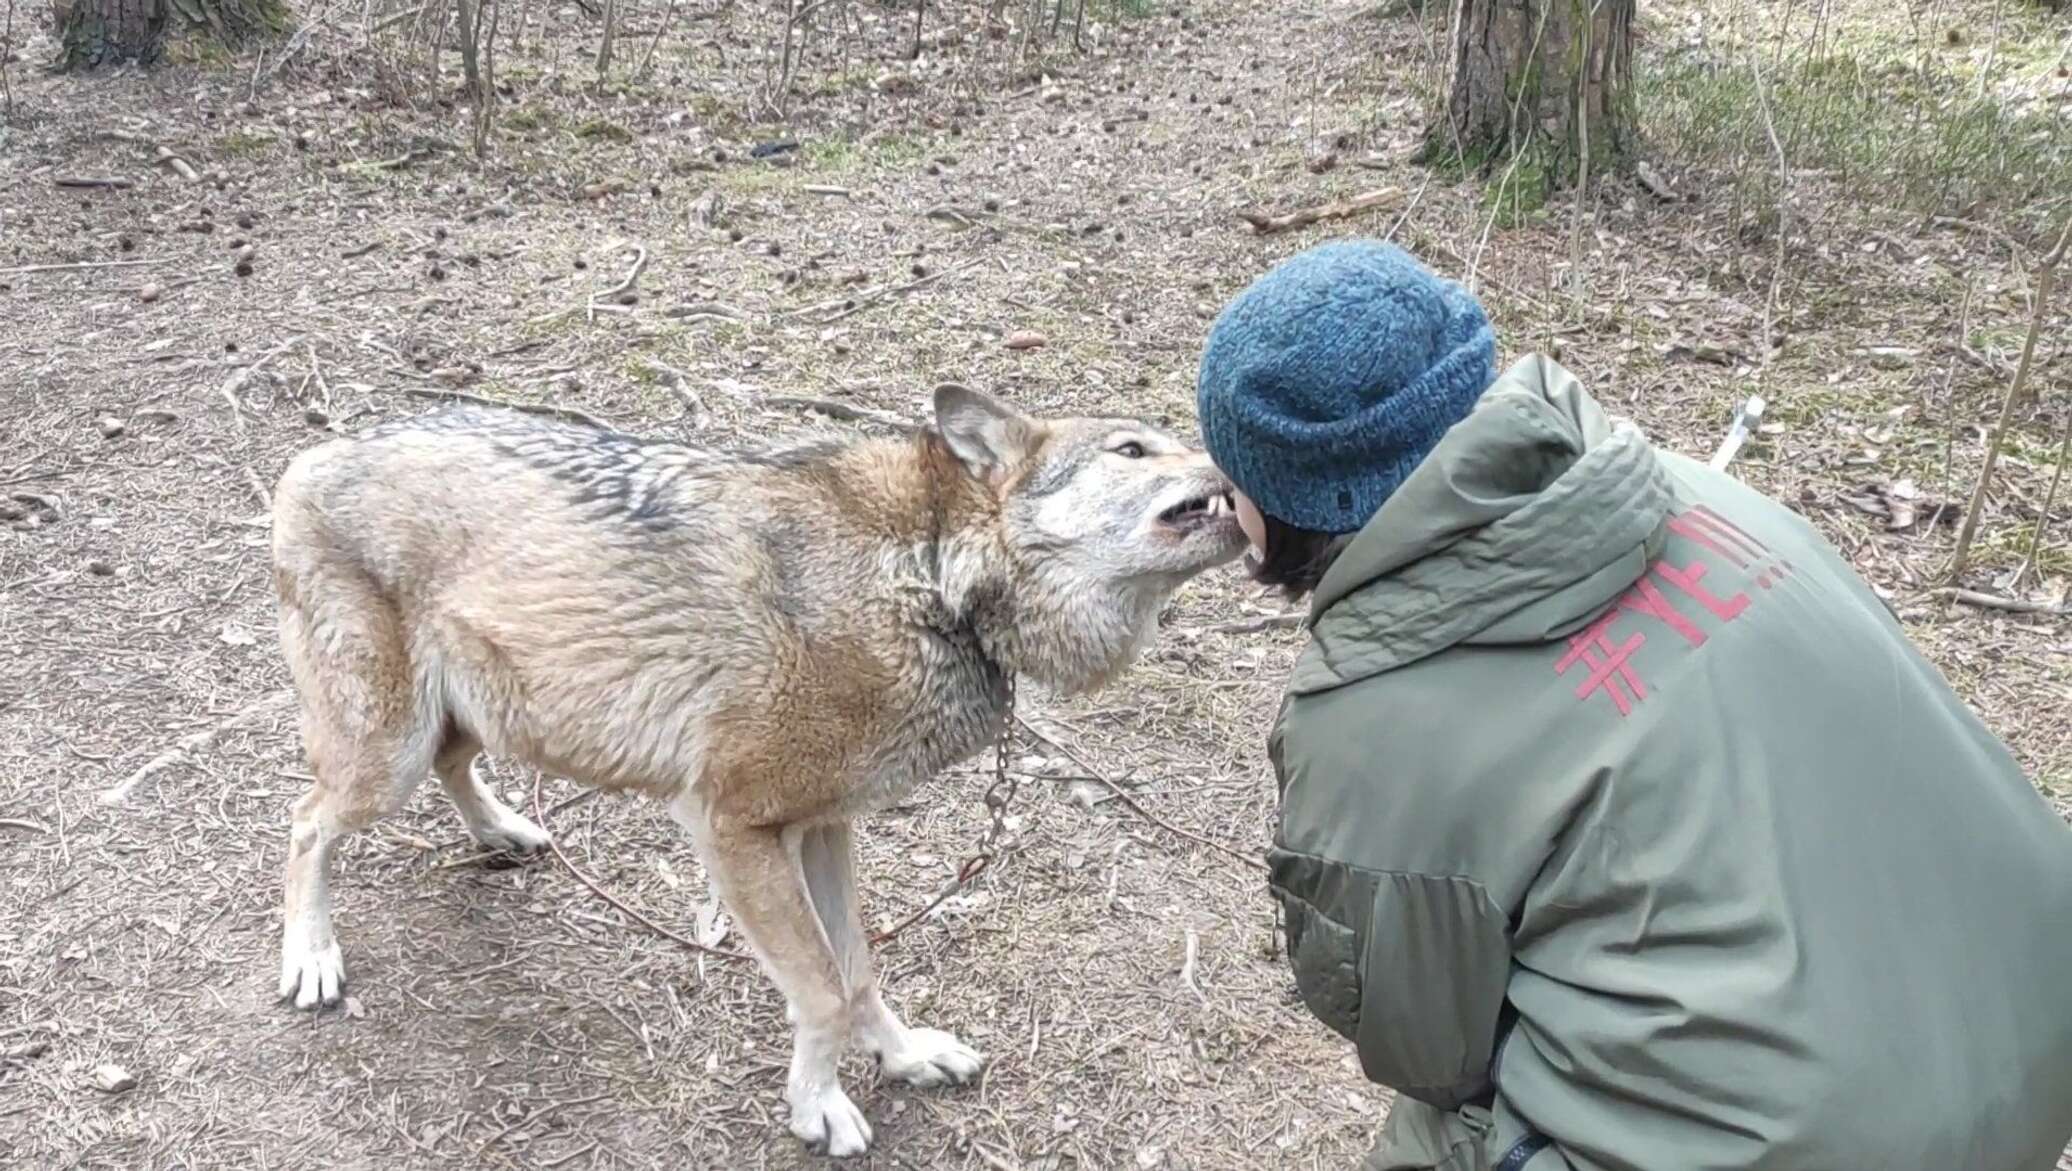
x,y
999,795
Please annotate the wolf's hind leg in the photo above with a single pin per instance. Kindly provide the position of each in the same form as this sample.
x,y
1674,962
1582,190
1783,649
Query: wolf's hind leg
x,y
491,822
369,747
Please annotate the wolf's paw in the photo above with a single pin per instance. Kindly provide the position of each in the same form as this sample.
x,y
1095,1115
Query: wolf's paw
x,y
827,1120
930,1057
510,832
312,974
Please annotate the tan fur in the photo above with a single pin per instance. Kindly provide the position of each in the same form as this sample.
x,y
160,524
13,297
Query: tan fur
x,y
771,643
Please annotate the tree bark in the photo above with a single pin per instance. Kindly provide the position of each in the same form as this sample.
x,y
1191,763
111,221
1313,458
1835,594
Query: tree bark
x,y
97,32
1540,81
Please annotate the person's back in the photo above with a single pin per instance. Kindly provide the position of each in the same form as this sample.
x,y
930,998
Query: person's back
x,y
1757,889
1621,827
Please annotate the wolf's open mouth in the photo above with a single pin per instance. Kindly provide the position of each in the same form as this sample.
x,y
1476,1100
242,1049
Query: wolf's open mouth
x,y
1199,510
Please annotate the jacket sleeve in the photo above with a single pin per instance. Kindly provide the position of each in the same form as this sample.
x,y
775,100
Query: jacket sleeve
x,y
1411,967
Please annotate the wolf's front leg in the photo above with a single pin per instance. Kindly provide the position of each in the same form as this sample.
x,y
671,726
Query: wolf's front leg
x,y
921,1057
758,875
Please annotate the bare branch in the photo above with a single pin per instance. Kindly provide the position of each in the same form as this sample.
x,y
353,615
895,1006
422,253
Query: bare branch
x,y
2046,278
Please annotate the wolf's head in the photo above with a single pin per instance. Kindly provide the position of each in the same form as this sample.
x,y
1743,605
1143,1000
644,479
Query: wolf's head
x,y
1094,523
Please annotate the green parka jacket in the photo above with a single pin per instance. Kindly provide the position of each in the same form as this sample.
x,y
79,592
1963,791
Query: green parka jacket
x,y
1622,829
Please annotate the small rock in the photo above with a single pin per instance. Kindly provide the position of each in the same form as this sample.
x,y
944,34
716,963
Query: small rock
x,y
111,427
1026,339
110,1078
150,292
100,568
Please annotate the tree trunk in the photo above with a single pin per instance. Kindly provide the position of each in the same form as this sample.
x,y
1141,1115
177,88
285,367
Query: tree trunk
x,y
96,32
1542,81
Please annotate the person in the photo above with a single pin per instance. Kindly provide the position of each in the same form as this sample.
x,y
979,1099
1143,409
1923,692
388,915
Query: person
x,y
1621,827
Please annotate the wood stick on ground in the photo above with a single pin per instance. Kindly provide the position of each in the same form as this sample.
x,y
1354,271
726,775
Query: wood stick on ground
x,y
111,182
26,269
842,411
188,745
1986,601
236,383
165,157
259,491
2046,277
1248,625
677,383
1130,802
570,414
1266,225
873,297
640,259
1187,967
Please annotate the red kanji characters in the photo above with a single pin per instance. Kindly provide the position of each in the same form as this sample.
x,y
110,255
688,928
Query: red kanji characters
x,y
1606,660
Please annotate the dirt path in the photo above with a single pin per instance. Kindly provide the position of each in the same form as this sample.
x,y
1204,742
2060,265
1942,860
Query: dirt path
x,y
503,1015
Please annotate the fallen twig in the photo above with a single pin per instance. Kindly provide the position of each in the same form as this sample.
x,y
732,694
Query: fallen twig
x,y
165,157
1247,625
872,297
23,823
1996,602
1130,802
400,161
704,311
535,1116
395,18
570,414
26,269
109,181
842,411
236,382
679,384
190,744
640,259
1266,225
1187,968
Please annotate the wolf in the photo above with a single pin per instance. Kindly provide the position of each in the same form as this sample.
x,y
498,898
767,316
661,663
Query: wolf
x,y
771,643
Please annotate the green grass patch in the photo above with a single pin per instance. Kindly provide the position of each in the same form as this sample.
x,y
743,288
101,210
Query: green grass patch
x,y
603,130
245,143
1894,133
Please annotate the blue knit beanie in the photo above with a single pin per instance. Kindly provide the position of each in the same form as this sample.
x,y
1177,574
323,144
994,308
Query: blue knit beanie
x,y
1332,376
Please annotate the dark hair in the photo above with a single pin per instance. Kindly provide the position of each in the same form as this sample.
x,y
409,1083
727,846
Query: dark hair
x,y
1295,559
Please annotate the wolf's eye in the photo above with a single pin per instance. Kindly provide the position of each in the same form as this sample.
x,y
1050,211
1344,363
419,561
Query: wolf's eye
x,y
1130,450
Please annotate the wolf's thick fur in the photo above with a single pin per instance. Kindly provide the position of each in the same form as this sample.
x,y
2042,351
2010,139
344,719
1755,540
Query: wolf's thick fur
x,y
769,643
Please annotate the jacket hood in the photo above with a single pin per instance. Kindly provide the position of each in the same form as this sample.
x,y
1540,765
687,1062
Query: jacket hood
x,y
1528,518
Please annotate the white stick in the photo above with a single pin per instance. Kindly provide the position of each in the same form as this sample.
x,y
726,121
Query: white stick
x,y
1746,420
192,743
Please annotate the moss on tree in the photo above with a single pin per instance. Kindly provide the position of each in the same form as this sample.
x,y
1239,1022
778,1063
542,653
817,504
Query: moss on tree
x,y
106,32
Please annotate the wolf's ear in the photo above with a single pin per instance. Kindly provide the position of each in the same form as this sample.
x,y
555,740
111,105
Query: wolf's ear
x,y
986,434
